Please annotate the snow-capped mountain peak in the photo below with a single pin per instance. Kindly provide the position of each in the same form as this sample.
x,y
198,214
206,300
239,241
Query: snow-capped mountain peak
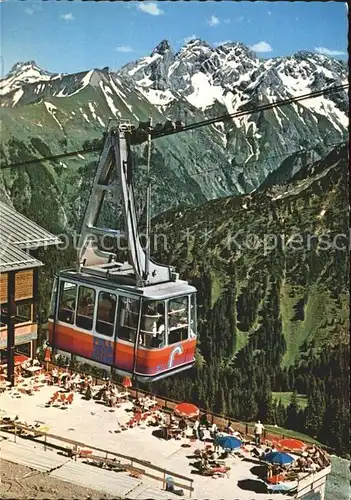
x,y
161,48
22,73
27,67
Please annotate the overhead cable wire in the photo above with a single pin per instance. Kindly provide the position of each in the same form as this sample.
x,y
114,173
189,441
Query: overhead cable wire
x,y
193,126
273,157
53,157
257,109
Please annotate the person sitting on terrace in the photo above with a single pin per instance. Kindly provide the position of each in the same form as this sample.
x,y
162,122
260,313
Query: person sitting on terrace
x,y
214,456
66,382
88,393
182,424
229,429
204,421
55,375
214,428
301,463
277,469
257,453
238,435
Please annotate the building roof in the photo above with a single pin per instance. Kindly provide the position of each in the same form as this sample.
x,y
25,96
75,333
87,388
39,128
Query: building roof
x,y
14,259
19,231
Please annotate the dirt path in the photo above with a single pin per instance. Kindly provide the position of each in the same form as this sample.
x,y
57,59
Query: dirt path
x,y
23,483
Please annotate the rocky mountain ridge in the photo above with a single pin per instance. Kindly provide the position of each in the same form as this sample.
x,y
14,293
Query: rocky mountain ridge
x,y
43,113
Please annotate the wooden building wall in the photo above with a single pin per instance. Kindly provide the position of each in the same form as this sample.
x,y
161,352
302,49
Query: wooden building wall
x,y
23,286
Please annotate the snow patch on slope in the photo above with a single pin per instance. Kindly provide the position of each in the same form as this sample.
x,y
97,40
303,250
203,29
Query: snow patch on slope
x,y
109,101
100,121
17,96
123,97
85,81
92,110
84,115
328,108
94,115
158,97
205,93
145,61
52,109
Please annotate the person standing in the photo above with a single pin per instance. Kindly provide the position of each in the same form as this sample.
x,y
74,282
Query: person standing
x,y
196,429
258,433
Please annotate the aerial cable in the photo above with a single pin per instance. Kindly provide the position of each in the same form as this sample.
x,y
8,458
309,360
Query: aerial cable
x,y
148,203
194,126
257,109
96,149
273,157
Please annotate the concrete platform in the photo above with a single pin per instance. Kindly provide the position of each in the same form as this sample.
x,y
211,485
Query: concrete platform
x,y
94,424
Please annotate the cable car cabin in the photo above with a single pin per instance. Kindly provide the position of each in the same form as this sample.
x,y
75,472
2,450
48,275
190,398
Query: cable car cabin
x,y
134,316
146,332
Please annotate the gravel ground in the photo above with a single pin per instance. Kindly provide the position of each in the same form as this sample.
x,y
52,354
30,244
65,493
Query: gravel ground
x,y
338,481
14,484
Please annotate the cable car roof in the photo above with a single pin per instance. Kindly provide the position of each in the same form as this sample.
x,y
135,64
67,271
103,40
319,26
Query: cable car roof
x,y
154,292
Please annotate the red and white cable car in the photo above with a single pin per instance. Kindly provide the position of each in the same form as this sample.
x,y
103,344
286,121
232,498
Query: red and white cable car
x,y
136,317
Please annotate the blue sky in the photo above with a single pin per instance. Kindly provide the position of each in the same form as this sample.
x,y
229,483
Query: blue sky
x,y
75,36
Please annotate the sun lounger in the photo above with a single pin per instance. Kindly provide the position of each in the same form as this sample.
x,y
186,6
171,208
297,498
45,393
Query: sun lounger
x,y
216,471
135,472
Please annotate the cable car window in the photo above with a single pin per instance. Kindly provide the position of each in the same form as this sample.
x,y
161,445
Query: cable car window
x,y
85,309
192,316
178,313
67,306
152,331
128,315
53,298
106,313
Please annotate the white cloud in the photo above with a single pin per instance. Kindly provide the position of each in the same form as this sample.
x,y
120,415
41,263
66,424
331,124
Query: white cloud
x,y
269,13
214,21
217,44
240,19
261,47
124,48
189,38
328,52
67,17
29,11
150,8
226,21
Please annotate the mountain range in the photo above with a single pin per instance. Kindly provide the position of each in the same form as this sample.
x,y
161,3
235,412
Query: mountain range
x,y
44,113
230,198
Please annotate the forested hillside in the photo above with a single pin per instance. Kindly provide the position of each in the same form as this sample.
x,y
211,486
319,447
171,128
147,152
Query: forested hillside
x,y
270,319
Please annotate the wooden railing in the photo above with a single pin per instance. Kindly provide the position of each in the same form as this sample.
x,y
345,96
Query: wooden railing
x,y
315,480
39,436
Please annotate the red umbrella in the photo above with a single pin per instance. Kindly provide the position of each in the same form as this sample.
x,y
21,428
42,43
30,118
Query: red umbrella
x,y
187,410
127,382
291,444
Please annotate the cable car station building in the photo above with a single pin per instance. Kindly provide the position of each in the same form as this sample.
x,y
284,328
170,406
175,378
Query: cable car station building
x,y
19,236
